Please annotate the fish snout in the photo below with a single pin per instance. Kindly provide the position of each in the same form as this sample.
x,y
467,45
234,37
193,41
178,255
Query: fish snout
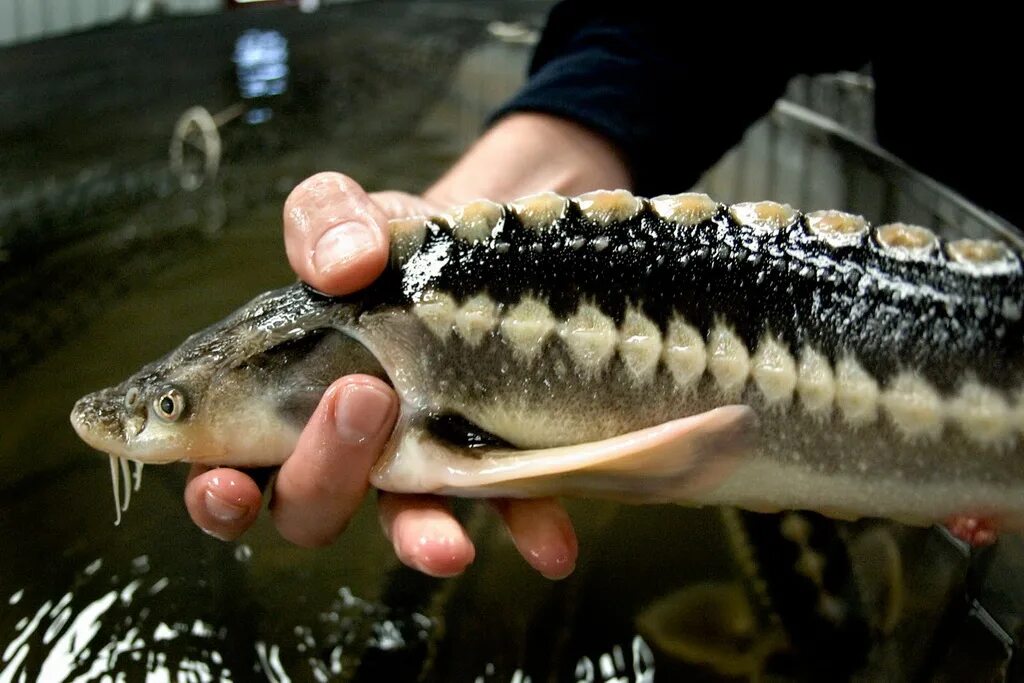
x,y
97,419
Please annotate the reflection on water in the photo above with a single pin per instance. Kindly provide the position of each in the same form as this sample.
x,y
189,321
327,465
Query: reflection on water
x,y
633,663
111,623
617,666
140,624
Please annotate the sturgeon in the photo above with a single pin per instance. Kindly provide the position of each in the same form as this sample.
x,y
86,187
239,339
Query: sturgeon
x,y
644,350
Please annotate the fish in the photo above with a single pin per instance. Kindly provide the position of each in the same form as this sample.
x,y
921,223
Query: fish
x,y
670,349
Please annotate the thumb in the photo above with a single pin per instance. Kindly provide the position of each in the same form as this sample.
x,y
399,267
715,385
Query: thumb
x,y
336,237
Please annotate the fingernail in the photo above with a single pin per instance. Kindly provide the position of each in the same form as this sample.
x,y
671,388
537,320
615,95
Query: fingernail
x,y
549,545
344,243
437,549
556,560
361,412
442,560
223,510
565,562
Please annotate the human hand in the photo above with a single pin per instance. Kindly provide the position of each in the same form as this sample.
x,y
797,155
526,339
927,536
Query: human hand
x,y
336,240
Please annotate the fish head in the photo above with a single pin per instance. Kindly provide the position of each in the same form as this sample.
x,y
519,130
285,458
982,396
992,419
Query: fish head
x,y
159,415
236,394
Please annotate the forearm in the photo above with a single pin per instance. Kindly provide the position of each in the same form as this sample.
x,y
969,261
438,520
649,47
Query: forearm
x,y
529,152
658,82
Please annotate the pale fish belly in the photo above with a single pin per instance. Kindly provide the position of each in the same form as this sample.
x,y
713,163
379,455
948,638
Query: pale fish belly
x,y
883,365
873,454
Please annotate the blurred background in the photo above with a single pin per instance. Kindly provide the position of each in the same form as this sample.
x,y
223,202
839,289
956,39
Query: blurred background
x,y
146,148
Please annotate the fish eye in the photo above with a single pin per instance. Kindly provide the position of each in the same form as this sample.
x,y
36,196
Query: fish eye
x,y
169,405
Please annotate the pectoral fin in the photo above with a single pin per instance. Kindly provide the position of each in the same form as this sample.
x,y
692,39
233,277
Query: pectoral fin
x,y
674,461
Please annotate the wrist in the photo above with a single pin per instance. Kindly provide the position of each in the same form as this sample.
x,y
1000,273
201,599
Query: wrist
x,y
528,152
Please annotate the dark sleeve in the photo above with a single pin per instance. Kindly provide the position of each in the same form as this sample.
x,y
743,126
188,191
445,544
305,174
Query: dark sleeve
x,y
673,86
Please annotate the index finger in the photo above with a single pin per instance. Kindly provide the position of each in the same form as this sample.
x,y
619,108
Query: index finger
x,y
336,237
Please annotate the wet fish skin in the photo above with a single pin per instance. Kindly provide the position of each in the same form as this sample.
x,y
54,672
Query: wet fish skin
x,y
890,311
883,363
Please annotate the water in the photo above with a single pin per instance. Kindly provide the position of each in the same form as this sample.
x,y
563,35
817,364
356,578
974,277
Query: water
x,y
104,271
